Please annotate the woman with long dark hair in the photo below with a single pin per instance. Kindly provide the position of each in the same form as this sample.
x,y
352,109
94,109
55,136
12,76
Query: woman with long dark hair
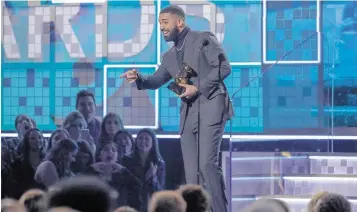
x,y
21,174
147,164
57,164
111,124
57,135
125,143
117,176
84,158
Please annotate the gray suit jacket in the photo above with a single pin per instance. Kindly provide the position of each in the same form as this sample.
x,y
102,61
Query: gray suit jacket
x,y
215,106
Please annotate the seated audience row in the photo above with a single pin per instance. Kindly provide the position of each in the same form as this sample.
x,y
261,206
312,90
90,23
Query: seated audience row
x,y
83,145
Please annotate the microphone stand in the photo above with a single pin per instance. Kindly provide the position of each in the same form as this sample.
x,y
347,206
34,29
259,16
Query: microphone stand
x,y
333,76
204,43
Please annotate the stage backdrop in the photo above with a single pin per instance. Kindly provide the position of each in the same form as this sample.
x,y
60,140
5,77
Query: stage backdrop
x,y
52,51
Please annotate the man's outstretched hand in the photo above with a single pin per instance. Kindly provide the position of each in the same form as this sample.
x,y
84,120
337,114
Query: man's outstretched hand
x,y
130,76
190,90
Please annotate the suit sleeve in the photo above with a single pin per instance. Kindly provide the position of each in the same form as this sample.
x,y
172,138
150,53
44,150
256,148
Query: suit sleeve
x,y
212,52
154,81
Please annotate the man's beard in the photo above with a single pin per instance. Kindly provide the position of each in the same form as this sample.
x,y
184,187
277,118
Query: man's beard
x,y
173,35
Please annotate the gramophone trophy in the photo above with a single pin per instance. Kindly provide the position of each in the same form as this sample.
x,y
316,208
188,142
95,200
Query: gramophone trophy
x,y
183,77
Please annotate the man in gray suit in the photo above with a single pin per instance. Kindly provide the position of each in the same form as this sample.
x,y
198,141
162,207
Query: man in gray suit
x,y
206,98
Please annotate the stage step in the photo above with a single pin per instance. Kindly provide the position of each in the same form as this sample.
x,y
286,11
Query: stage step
x,y
296,203
265,164
294,185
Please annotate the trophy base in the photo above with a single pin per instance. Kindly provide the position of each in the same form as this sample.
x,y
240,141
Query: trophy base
x,y
174,87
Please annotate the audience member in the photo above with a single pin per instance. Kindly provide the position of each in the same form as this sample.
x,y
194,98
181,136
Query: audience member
x,y
146,163
22,124
11,205
125,209
167,201
56,136
333,203
62,209
196,197
76,126
9,145
82,193
111,124
312,205
57,163
84,158
268,205
117,176
19,178
34,200
125,142
85,104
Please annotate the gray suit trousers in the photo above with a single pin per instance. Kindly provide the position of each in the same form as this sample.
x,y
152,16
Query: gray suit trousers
x,y
211,176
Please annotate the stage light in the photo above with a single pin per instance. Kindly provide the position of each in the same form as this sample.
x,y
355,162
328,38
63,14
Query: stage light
x,y
321,178
326,157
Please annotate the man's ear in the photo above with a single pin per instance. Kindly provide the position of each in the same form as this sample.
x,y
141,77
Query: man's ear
x,y
180,22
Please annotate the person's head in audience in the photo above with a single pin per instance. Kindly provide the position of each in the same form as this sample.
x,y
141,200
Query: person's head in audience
x,y
74,123
8,202
11,205
167,201
57,135
333,203
22,124
125,142
62,155
111,124
34,200
146,145
196,197
85,103
62,209
125,209
268,205
312,205
33,141
84,158
82,193
108,152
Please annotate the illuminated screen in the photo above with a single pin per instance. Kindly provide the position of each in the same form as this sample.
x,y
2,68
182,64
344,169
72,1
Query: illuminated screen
x,y
49,54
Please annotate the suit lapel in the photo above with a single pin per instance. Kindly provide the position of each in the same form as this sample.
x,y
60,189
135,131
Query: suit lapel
x,y
191,50
172,65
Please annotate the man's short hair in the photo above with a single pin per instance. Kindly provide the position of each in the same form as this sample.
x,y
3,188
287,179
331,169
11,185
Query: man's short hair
x,y
82,193
167,201
315,200
268,205
84,93
196,197
33,200
125,209
333,203
174,10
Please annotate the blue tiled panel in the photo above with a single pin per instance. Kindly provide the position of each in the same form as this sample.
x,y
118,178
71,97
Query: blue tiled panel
x,y
26,91
137,108
242,31
248,102
290,97
288,24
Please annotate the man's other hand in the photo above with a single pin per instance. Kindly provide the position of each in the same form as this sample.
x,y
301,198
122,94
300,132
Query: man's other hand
x,y
190,90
